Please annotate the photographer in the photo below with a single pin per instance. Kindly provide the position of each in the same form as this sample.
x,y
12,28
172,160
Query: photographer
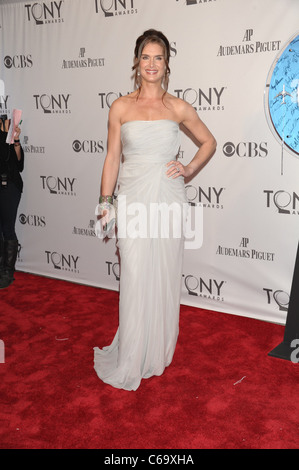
x,y
11,186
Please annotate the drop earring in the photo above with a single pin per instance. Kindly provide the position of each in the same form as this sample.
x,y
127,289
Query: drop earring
x,y
138,81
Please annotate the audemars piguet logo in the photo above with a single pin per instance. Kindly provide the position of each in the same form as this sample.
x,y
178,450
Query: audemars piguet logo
x,y
245,250
33,149
88,231
83,61
248,45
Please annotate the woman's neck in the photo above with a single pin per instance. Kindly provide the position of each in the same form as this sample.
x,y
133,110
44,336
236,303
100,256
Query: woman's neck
x,y
151,91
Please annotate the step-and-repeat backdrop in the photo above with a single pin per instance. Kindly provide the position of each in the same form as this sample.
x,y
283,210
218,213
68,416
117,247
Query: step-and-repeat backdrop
x,y
64,62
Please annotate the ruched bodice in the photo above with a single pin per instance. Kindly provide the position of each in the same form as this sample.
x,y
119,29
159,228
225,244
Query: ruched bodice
x,y
147,147
150,214
159,140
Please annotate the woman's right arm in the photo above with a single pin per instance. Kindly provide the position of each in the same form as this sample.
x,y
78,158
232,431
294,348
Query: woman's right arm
x,y
112,160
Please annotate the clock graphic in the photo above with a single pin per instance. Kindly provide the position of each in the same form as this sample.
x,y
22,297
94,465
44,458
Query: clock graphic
x,y
281,98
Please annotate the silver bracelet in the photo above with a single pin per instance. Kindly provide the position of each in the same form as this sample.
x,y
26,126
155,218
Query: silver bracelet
x,y
108,199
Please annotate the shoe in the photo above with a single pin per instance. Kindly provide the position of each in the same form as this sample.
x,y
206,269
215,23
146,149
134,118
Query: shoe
x,y
10,257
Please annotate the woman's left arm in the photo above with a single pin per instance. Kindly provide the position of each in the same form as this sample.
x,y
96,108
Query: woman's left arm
x,y
201,133
18,149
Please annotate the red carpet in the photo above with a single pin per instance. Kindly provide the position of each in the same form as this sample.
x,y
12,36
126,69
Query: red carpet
x,y
222,390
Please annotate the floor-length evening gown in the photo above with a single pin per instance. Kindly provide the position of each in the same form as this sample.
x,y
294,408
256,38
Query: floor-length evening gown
x,y
150,264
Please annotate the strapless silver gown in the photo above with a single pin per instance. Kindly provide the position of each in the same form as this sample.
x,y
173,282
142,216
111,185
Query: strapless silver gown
x,y
150,264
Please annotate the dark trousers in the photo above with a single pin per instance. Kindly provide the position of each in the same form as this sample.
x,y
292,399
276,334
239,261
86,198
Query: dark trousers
x,y
9,202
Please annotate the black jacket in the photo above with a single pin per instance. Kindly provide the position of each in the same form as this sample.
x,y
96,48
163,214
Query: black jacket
x,y
9,163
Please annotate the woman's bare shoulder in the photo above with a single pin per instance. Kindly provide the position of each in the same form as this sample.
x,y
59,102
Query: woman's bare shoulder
x,y
120,106
180,107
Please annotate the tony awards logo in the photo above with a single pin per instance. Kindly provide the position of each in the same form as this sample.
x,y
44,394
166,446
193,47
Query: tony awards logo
x,y
116,7
44,12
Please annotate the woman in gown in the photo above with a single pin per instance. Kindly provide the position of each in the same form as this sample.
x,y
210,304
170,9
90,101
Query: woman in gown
x,y
143,127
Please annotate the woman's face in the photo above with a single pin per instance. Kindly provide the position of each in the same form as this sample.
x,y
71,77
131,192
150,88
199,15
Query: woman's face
x,y
152,63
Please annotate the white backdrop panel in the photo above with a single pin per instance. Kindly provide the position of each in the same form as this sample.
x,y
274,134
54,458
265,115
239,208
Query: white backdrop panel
x,y
63,63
